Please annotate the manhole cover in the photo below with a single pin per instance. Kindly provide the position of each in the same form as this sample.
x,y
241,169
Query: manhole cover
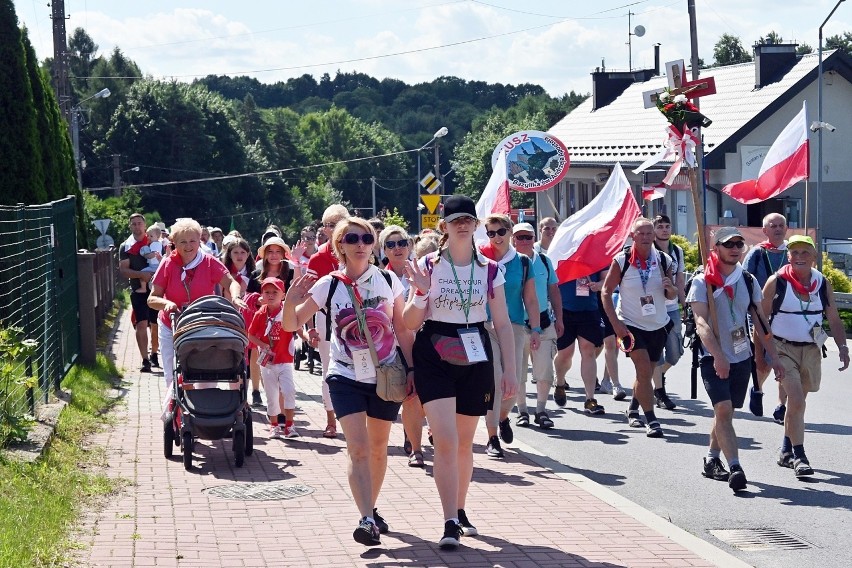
x,y
760,539
259,491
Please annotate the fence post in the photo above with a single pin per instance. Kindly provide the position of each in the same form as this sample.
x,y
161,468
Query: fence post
x,y
86,296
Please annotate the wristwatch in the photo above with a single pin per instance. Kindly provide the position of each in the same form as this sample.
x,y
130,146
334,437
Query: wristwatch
x,y
536,329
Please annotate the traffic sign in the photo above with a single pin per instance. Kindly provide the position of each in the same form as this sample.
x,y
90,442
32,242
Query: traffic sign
x,y
430,182
429,221
431,201
101,225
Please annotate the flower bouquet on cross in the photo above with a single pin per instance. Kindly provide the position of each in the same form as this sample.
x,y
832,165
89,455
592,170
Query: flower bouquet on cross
x,y
680,111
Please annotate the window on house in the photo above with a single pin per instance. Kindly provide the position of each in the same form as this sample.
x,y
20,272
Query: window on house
x,y
792,210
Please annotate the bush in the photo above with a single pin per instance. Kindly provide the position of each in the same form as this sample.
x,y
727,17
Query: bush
x,y
690,252
839,281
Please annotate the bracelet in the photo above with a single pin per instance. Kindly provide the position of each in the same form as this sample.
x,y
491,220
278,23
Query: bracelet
x,y
417,292
420,301
537,329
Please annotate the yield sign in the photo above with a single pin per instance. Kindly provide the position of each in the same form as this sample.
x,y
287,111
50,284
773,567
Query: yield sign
x,y
431,201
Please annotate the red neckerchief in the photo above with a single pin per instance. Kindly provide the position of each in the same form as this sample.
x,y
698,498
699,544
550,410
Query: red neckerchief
x,y
641,263
340,275
489,251
786,272
713,277
137,246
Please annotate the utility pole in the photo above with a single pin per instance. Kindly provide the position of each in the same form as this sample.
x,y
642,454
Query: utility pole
x,y
696,71
373,180
116,175
60,59
438,163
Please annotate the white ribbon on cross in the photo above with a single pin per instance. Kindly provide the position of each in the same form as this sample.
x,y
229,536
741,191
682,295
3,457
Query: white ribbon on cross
x,y
679,146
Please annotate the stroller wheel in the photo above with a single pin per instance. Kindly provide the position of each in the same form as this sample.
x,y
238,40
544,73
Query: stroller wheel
x,y
187,451
239,447
168,439
249,434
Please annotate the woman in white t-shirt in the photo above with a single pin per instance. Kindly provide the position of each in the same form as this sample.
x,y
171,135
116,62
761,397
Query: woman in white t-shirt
x,y
452,353
365,418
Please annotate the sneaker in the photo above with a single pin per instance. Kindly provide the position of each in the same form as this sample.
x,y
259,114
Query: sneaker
x,y
506,433
256,400
559,396
493,449
467,528
618,393
597,386
543,420
778,413
653,430
662,399
523,420
277,431
146,366
634,419
367,533
406,444
452,535
592,407
155,359
802,467
755,402
785,459
737,479
606,386
380,522
291,432
714,469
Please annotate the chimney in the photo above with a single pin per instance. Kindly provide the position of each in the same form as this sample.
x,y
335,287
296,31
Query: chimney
x,y
772,61
608,85
656,59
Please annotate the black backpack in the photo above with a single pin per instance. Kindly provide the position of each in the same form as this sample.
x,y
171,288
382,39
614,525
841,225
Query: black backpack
x,y
781,290
664,261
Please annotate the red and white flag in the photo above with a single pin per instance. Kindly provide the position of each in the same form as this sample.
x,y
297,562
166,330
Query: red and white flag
x,y
652,192
587,241
786,163
495,197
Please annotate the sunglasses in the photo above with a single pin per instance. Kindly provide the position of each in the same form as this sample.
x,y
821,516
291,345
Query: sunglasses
x,y
501,232
354,238
733,244
524,237
401,243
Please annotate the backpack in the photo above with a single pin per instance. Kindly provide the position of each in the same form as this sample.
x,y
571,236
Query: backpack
x,y
331,289
781,290
690,331
664,261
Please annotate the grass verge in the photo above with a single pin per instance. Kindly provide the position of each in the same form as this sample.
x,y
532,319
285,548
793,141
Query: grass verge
x,y
39,502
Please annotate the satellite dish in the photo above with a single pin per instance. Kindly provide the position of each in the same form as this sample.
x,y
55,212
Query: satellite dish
x,y
639,31
104,241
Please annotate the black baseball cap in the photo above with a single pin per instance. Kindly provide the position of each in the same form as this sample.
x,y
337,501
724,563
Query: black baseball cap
x,y
459,206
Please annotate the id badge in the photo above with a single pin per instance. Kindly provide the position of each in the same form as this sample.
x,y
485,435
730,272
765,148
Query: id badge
x,y
472,343
648,307
582,286
819,335
739,339
362,360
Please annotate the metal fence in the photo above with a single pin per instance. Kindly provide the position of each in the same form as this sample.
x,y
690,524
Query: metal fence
x,y
39,295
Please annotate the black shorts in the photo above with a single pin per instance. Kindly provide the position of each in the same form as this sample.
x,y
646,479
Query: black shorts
x,y
139,302
585,324
436,376
607,327
351,397
651,341
733,388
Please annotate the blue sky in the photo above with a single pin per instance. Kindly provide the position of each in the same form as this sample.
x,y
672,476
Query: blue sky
x,y
552,43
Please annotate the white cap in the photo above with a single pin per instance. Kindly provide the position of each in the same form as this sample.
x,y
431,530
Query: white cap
x,y
523,227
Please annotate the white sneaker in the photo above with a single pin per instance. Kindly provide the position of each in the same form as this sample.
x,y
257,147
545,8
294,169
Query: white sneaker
x,y
277,431
606,385
618,393
291,432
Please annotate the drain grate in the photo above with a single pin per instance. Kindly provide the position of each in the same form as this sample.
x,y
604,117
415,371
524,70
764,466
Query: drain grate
x,y
752,540
259,491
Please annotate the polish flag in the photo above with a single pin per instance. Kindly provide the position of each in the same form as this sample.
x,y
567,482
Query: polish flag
x,y
587,241
495,197
652,192
786,163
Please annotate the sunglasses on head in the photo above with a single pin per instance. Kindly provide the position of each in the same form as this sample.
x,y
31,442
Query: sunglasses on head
x,y
401,243
524,237
502,231
353,238
733,244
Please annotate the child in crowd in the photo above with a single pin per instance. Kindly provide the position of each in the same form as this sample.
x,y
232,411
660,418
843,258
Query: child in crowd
x,y
153,251
276,358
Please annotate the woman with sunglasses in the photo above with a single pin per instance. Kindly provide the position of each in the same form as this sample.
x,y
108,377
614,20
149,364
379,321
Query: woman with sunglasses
x,y
453,365
522,305
365,299
396,244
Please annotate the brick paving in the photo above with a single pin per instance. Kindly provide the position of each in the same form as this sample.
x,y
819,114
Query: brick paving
x,y
528,512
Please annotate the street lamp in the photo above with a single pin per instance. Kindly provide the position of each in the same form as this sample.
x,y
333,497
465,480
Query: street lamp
x,y
820,126
75,130
439,134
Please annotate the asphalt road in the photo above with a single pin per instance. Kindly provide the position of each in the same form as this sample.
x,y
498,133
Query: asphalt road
x,y
664,475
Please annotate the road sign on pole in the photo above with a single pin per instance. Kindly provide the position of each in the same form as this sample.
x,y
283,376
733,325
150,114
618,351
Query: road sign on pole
x,y
430,182
431,201
429,221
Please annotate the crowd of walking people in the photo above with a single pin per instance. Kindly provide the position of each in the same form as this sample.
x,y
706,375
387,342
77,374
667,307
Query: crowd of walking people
x,y
470,323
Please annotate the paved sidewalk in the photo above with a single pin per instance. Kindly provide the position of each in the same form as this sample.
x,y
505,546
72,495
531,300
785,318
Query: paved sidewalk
x,y
530,511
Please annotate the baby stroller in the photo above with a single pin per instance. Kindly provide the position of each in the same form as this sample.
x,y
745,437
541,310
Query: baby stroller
x,y
209,388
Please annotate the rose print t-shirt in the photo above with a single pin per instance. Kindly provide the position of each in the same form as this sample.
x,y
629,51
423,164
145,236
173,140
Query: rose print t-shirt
x,y
445,304
378,300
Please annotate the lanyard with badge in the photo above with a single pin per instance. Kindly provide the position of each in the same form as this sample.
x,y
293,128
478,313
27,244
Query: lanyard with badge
x,y
646,300
583,287
362,359
267,355
469,336
817,332
739,338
